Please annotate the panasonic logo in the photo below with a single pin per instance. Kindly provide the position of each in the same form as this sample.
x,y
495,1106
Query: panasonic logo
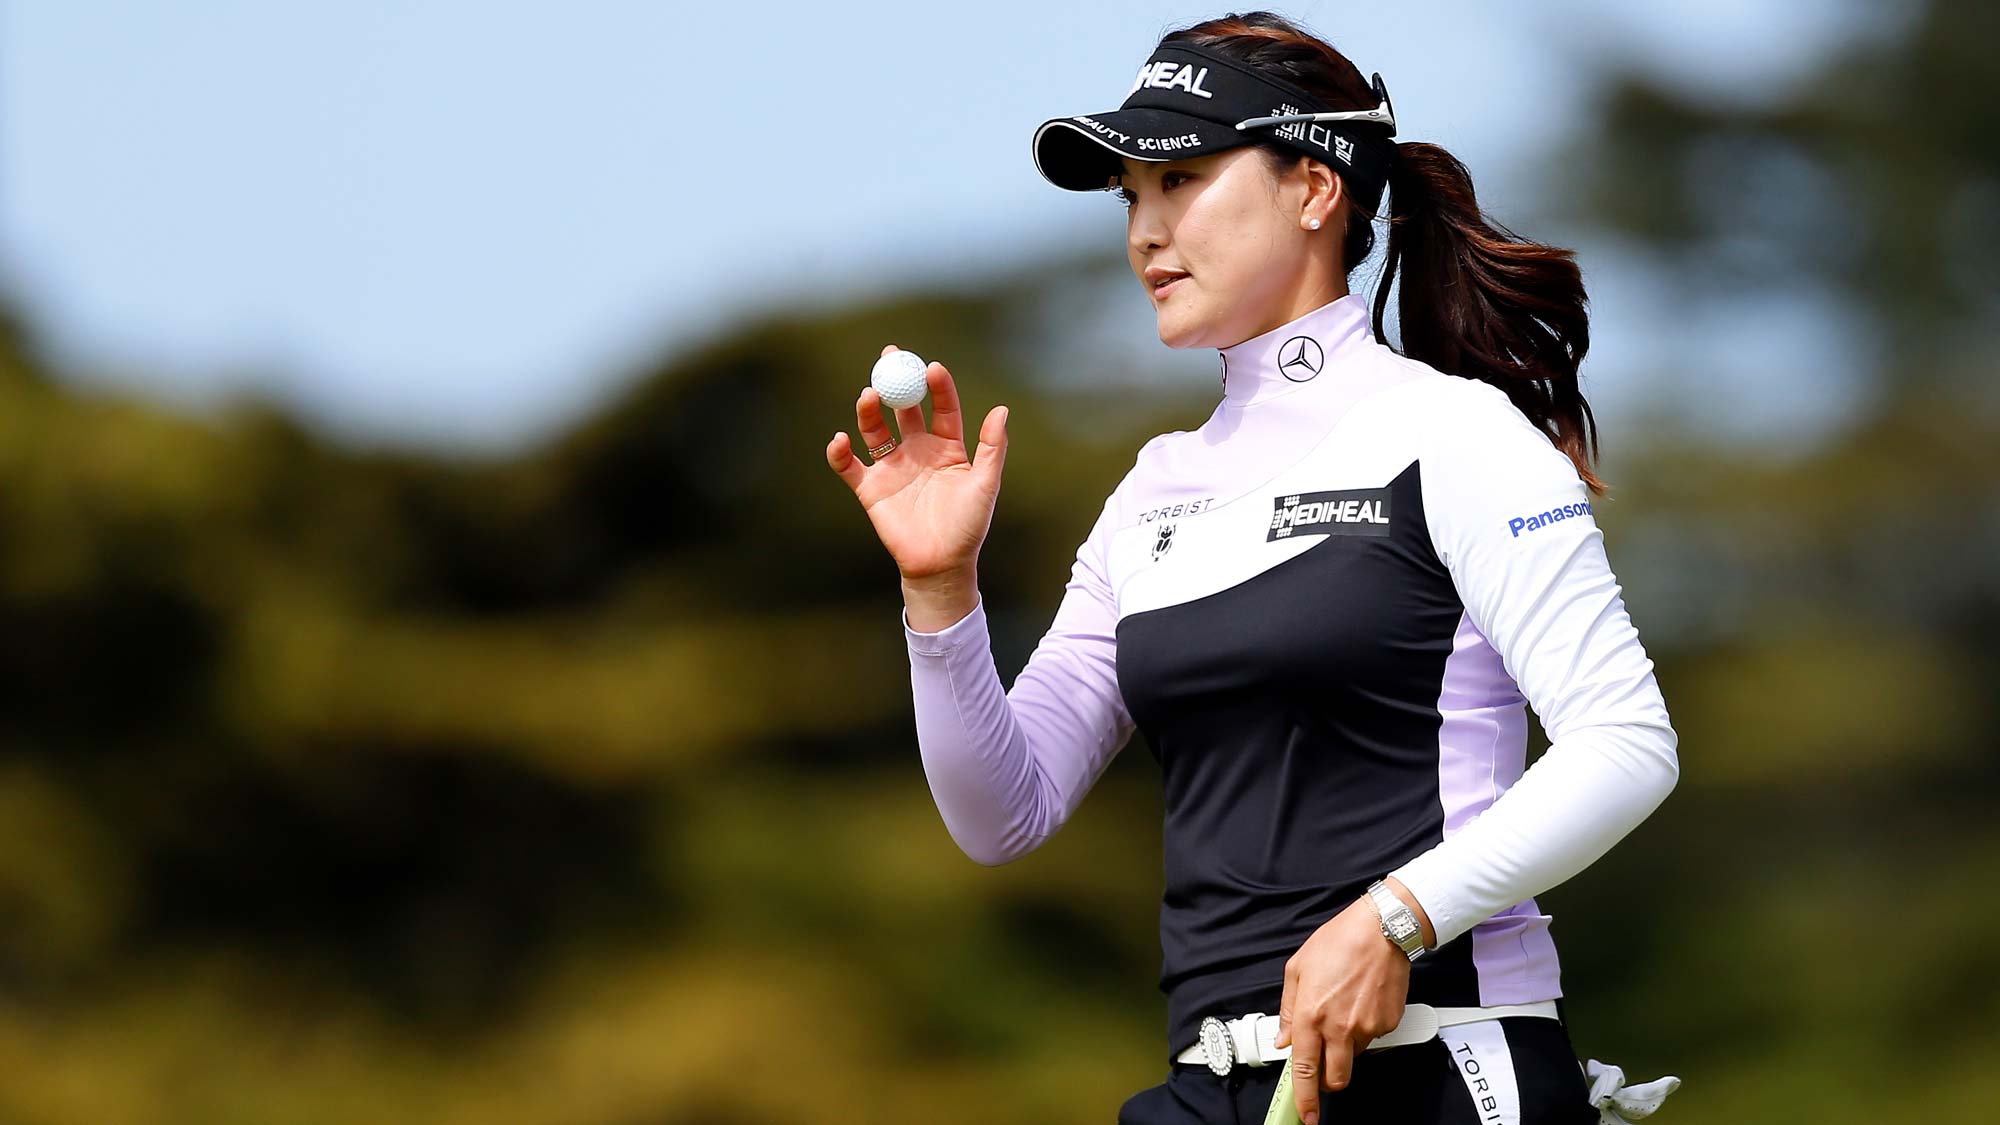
x,y
1519,524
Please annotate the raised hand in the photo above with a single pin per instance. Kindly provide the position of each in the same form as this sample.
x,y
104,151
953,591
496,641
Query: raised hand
x,y
930,504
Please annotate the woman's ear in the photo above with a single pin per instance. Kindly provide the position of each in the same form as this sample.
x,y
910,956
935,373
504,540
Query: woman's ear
x,y
1324,192
1334,186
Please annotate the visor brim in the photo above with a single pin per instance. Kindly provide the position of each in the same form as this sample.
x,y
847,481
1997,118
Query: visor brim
x,y
1083,153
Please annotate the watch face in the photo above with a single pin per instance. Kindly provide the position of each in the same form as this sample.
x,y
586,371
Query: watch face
x,y
1401,926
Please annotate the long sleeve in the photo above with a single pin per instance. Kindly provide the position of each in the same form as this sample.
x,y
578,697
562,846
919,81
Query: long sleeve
x,y
1007,767
1512,521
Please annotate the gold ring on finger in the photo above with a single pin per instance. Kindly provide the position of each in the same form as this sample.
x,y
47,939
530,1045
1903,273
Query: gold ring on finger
x,y
880,451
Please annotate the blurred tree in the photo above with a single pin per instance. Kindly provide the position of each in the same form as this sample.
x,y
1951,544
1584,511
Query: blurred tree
x,y
568,786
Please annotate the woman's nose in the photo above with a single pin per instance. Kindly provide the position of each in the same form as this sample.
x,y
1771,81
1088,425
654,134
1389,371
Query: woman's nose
x,y
1147,232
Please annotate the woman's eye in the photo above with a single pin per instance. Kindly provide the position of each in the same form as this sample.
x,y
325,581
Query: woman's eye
x,y
1128,197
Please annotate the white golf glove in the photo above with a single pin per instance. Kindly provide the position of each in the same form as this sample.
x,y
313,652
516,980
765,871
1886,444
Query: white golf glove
x,y
1619,1104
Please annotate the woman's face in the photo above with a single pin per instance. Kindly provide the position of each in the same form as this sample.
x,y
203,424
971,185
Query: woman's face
x,y
1237,233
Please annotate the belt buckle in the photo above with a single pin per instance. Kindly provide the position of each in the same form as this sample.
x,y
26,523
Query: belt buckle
x,y
1216,1046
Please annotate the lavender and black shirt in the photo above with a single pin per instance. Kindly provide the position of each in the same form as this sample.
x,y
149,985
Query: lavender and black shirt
x,y
1328,609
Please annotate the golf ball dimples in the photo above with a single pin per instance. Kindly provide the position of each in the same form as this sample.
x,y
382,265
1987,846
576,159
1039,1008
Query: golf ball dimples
x,y
899,379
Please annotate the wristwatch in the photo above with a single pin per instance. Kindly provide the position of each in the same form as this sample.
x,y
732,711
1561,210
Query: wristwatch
x,y
1399,922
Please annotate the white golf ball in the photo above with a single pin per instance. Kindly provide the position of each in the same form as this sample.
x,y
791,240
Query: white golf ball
x,y
899,378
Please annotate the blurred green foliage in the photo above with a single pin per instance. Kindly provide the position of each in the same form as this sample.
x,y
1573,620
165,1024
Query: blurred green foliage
x,y
580,786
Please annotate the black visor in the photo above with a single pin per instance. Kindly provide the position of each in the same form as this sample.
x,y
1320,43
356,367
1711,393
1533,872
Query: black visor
x,y
1192,101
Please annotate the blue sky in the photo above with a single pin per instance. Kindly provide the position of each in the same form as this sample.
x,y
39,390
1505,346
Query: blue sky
x,y
460,225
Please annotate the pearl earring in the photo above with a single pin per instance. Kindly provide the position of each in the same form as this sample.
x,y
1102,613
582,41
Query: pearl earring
x,y
1314,224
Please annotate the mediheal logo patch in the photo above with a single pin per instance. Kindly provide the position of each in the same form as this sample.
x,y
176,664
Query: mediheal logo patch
x,y
1355,511
1540,520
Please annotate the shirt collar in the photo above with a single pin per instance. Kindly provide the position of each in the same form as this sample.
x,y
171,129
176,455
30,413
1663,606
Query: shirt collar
x,y
1295,354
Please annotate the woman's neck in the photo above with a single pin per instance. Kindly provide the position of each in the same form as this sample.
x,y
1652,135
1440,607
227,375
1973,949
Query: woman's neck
x,y
1306,298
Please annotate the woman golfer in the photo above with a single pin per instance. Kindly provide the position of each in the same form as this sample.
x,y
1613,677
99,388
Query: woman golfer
x,y
1327,608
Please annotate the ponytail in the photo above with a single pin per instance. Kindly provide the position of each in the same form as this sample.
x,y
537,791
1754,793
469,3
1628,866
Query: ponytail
x,y
1480,301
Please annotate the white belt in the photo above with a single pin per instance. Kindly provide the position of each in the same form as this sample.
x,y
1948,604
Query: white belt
x,y
1248,1038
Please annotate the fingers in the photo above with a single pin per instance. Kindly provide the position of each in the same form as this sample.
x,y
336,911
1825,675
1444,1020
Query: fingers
x,y
1305,1062
1339,1065
840,456
868,419
1285,1008
947,417
991,456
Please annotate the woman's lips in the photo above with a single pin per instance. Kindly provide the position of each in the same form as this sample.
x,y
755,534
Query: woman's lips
x,y
1160,292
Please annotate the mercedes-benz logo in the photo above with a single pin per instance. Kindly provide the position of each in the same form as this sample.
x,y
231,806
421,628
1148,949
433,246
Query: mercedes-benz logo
x,y
1300,359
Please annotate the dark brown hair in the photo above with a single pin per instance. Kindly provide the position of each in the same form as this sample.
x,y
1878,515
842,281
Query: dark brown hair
x,y
1477,300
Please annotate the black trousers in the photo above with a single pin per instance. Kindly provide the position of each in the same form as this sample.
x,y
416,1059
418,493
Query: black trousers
x,y
1517,1070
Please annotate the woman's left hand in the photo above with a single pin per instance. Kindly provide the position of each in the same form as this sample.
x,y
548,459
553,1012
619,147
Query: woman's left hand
x,y
1344,987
